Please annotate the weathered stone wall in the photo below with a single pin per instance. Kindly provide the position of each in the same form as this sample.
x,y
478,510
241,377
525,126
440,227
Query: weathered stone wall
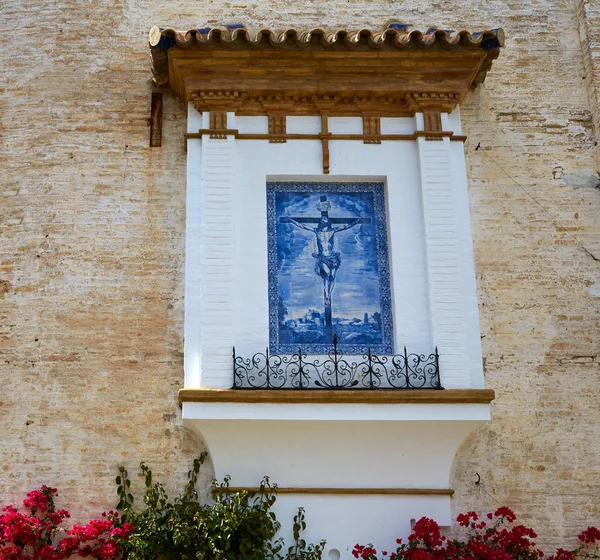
x,y
92,247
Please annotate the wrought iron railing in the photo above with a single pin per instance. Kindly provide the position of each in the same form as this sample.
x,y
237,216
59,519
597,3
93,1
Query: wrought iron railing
x,y
334,371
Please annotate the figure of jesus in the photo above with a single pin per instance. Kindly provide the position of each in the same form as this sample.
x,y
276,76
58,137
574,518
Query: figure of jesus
x,y
327,260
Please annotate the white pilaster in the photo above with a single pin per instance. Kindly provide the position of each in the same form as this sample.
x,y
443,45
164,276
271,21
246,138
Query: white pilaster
x,y
193,277
216,261
446,261
465,240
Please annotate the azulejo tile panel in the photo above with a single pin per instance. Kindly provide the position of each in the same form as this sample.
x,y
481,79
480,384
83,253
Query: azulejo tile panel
x,y
328,267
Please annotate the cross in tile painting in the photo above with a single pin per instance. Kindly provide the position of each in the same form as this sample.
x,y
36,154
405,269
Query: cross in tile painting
x,y
327,260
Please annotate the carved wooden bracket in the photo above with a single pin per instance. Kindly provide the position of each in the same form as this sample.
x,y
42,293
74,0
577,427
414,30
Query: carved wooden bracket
x,y
277,126
432,125
372,127
209,100
442,102
218,103
218,121
432,120
432,105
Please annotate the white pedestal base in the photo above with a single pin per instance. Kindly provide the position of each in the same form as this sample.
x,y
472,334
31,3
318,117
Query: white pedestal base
x,y
396,455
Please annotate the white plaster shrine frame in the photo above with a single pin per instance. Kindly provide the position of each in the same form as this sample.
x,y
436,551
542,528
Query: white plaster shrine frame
x,y
432,268
362,466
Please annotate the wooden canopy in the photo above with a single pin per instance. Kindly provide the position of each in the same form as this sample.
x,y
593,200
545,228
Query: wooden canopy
x,y
393,73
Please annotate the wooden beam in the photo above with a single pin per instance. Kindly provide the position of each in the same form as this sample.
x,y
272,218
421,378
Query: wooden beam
x,y
341,491
325,136
279,138
156,108
343,396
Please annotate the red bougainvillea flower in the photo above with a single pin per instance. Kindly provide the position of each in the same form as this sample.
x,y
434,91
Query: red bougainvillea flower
x,y
32,535
590,535
562,554
500,540
427,531
506,513
464,519
41,500
366,552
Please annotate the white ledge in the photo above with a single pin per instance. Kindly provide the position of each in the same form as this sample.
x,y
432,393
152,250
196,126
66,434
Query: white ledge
x,y
334,411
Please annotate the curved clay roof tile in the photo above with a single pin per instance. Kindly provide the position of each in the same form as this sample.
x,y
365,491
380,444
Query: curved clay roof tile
x,y
166,38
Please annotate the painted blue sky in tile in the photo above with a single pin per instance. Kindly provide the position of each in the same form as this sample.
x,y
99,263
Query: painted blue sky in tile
x,y
356,288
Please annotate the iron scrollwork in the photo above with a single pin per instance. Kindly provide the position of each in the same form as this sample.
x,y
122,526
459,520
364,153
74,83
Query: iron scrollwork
x,y
334,371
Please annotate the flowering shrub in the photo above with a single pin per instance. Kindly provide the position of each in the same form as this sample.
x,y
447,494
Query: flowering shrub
x,y
239,525
235,526
495,537
38,534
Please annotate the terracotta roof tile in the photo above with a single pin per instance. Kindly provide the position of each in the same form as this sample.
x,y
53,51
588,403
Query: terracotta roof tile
x,y
395,34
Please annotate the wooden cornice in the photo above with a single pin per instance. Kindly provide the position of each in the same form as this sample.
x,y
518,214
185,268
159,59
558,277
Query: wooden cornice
x,y
394,73
345,396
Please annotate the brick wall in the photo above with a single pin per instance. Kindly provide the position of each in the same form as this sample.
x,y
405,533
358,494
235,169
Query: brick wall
x,y
92,248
